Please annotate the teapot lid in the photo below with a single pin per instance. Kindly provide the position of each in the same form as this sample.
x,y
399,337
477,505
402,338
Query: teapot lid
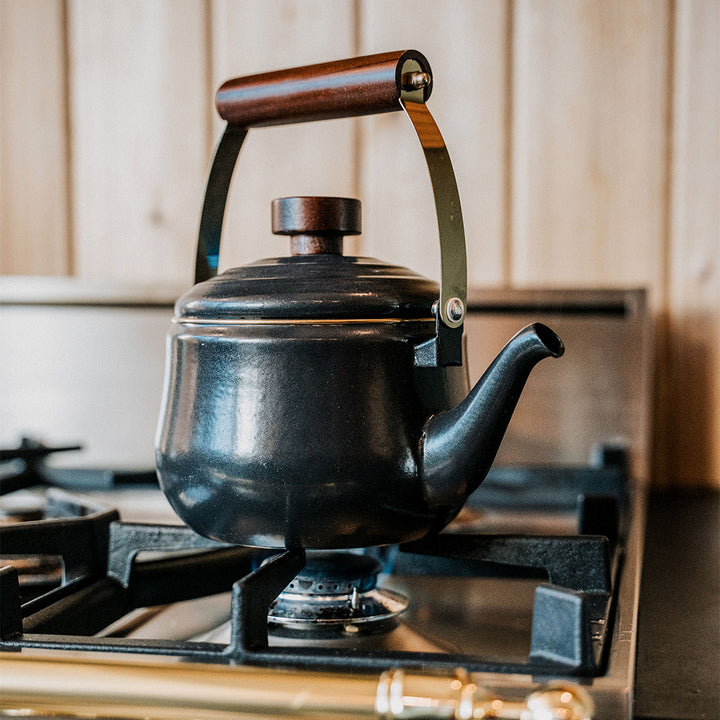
x,y
316,281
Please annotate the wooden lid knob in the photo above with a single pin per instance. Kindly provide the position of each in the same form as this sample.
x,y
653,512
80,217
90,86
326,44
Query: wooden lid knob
x,y
316,224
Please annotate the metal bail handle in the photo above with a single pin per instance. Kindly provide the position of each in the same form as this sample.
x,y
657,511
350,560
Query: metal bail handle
x,y
347,88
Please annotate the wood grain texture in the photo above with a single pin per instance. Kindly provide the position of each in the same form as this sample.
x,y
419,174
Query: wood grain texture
x,y
692,416
584,136
350,87
139,101
590,93
465,42
34,231
309,159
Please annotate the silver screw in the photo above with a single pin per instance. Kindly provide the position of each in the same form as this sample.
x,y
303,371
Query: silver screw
x,y
454,309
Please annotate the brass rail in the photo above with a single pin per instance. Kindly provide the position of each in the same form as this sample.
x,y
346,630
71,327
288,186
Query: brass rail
x,y
44,686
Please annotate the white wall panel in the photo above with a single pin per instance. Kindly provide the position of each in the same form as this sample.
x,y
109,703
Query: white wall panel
x,y
465,42
138,98
690,421
309,159
34,230
590,94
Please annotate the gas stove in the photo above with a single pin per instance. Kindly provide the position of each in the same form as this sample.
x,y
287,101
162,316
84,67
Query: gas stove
x,y
525,604
536,581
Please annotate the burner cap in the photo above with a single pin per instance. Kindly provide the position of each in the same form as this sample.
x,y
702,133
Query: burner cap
x,y
336,591
335,574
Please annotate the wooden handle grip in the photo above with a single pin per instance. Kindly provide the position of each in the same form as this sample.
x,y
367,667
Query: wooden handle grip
x,y
345,88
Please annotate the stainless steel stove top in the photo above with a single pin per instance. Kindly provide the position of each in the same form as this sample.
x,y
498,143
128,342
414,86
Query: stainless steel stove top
x,y
487,616
477,635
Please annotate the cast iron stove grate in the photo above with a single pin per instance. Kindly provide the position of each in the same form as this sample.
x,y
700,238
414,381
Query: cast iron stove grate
x,y
103,580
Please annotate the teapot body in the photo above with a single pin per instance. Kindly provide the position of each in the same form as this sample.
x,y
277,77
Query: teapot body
x,y
275,434
321,400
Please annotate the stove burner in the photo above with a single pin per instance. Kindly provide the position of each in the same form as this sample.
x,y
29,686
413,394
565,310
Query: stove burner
x,y
334,604
336,592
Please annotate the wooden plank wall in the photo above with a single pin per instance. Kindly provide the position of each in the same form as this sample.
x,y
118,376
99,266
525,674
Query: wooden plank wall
x,y
35,226
585,136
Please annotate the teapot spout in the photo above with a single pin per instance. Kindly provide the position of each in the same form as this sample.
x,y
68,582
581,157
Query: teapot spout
x,y
459,445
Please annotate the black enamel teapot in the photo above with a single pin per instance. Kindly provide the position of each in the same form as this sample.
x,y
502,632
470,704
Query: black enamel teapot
x,y
320,400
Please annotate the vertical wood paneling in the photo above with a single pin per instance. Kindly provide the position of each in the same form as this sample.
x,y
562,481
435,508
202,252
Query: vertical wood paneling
x,y
555,115
33,139
589,143
465,42
693,411
139,126
311,159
